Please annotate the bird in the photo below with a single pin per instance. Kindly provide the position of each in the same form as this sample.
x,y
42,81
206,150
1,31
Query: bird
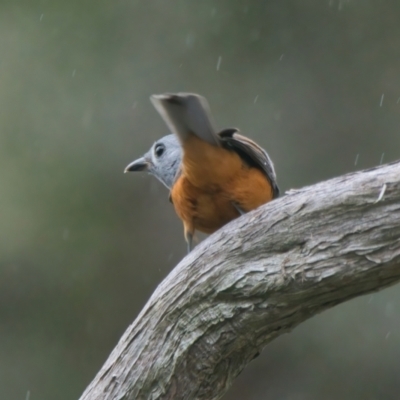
x,y
213,177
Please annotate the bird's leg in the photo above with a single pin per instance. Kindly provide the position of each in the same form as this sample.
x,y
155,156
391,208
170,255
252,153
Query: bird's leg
x,y
238,208
189,231
189,240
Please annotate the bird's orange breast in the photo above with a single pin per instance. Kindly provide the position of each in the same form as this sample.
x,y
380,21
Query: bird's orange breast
x,y
212,182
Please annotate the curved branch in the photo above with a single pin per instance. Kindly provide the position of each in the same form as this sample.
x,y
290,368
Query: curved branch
x,y
256,278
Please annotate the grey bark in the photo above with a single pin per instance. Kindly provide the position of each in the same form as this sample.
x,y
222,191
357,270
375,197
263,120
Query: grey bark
x,y
253,280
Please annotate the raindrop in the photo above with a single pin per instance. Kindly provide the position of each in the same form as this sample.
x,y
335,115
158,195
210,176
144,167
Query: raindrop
x,y
190,39
383,155
41,17
356,160
255,99
28,395
382,97
381,194
387,335
213,12
219,63
73,72
66,234
281,57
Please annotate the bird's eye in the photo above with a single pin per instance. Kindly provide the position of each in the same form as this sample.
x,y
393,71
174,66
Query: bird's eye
x,y
159,150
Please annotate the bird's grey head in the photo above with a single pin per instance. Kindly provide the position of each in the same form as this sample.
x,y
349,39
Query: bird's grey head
x,y
163,160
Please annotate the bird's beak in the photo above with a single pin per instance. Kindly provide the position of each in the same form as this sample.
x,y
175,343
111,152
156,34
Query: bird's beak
x,y
141,164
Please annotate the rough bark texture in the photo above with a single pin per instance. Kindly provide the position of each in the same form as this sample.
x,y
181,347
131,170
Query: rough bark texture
x,y
256,278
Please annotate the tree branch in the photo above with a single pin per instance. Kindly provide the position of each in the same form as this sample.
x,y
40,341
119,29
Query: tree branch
x,y
254,279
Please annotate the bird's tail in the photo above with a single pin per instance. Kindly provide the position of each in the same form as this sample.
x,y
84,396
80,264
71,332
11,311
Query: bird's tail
x,y
186,114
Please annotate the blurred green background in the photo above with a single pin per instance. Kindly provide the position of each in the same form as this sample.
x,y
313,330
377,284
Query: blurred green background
x,y
317,83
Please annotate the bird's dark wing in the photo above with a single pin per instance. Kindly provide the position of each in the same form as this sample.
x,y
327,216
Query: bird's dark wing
x,y
252,153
